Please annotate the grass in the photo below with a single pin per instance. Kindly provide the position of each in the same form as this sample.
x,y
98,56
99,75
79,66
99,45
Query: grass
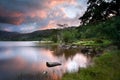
x,y
92,43
106,67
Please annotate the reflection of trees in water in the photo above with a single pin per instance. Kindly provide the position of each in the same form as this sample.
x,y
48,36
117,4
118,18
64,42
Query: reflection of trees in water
x,y
66,52
88,52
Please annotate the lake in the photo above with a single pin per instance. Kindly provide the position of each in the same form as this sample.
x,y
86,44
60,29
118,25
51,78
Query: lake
x,y
29,58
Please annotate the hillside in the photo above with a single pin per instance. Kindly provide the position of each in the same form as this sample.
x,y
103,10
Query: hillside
x,y
34,36
12,36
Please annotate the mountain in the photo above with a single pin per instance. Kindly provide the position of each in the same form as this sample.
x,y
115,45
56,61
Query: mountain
x,y
4,35
14,36
34,36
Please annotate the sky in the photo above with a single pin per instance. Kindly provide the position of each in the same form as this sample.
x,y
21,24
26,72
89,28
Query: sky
x,y
31,15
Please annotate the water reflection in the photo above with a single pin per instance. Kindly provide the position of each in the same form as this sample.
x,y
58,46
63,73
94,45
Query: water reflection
x,y
16,60
78,61
17,43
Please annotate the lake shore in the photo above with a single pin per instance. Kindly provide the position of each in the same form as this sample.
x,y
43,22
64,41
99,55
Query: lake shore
x,y
106,67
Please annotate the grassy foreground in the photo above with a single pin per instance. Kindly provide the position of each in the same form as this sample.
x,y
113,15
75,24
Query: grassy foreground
x,y
106,67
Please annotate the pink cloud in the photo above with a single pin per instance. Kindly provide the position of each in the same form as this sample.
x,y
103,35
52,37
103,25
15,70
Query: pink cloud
x,y
53,3
50,25
45,13
38,13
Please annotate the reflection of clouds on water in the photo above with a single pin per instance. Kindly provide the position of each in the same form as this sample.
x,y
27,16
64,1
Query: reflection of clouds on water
x,y
78,61
33,59
6,53
36,60
17,43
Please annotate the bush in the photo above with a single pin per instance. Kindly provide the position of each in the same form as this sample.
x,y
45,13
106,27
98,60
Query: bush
x,y
69,36
109,29
98,41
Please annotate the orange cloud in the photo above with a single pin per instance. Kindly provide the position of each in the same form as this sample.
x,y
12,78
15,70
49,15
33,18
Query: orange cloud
x,y
11,17
5,13
39,13
42,14
53,3
15,14
63,10
19,21
51,25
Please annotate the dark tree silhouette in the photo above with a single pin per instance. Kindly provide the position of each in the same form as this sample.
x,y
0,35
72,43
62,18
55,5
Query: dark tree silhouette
x,y
100,10
62,25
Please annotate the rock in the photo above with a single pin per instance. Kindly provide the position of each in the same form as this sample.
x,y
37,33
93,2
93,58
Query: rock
x,y
52,64
74,46
85,50
63,46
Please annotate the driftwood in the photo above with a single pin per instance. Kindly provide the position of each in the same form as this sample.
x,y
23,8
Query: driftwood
x,y
52,64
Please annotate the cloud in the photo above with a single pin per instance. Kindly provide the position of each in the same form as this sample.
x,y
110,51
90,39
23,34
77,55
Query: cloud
x,y
10,17
53,3
51,25
23,13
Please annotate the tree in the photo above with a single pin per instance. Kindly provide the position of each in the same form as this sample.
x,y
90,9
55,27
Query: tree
x,y
69,35
60,36
100,10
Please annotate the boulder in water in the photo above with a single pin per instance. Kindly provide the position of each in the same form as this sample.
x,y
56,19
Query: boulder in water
x,y
53,64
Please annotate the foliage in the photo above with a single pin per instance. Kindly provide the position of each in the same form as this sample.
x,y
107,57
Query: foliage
x,y
100,10
69,36
55,36
109,29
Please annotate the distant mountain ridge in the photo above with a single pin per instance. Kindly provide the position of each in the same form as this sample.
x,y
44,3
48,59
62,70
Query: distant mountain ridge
x,y
15,36
8,36
33,36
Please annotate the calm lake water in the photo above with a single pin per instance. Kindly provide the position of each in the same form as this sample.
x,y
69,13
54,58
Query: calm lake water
x,y
29,57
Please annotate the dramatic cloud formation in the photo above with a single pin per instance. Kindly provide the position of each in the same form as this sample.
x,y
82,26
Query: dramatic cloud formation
x,y
31,15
